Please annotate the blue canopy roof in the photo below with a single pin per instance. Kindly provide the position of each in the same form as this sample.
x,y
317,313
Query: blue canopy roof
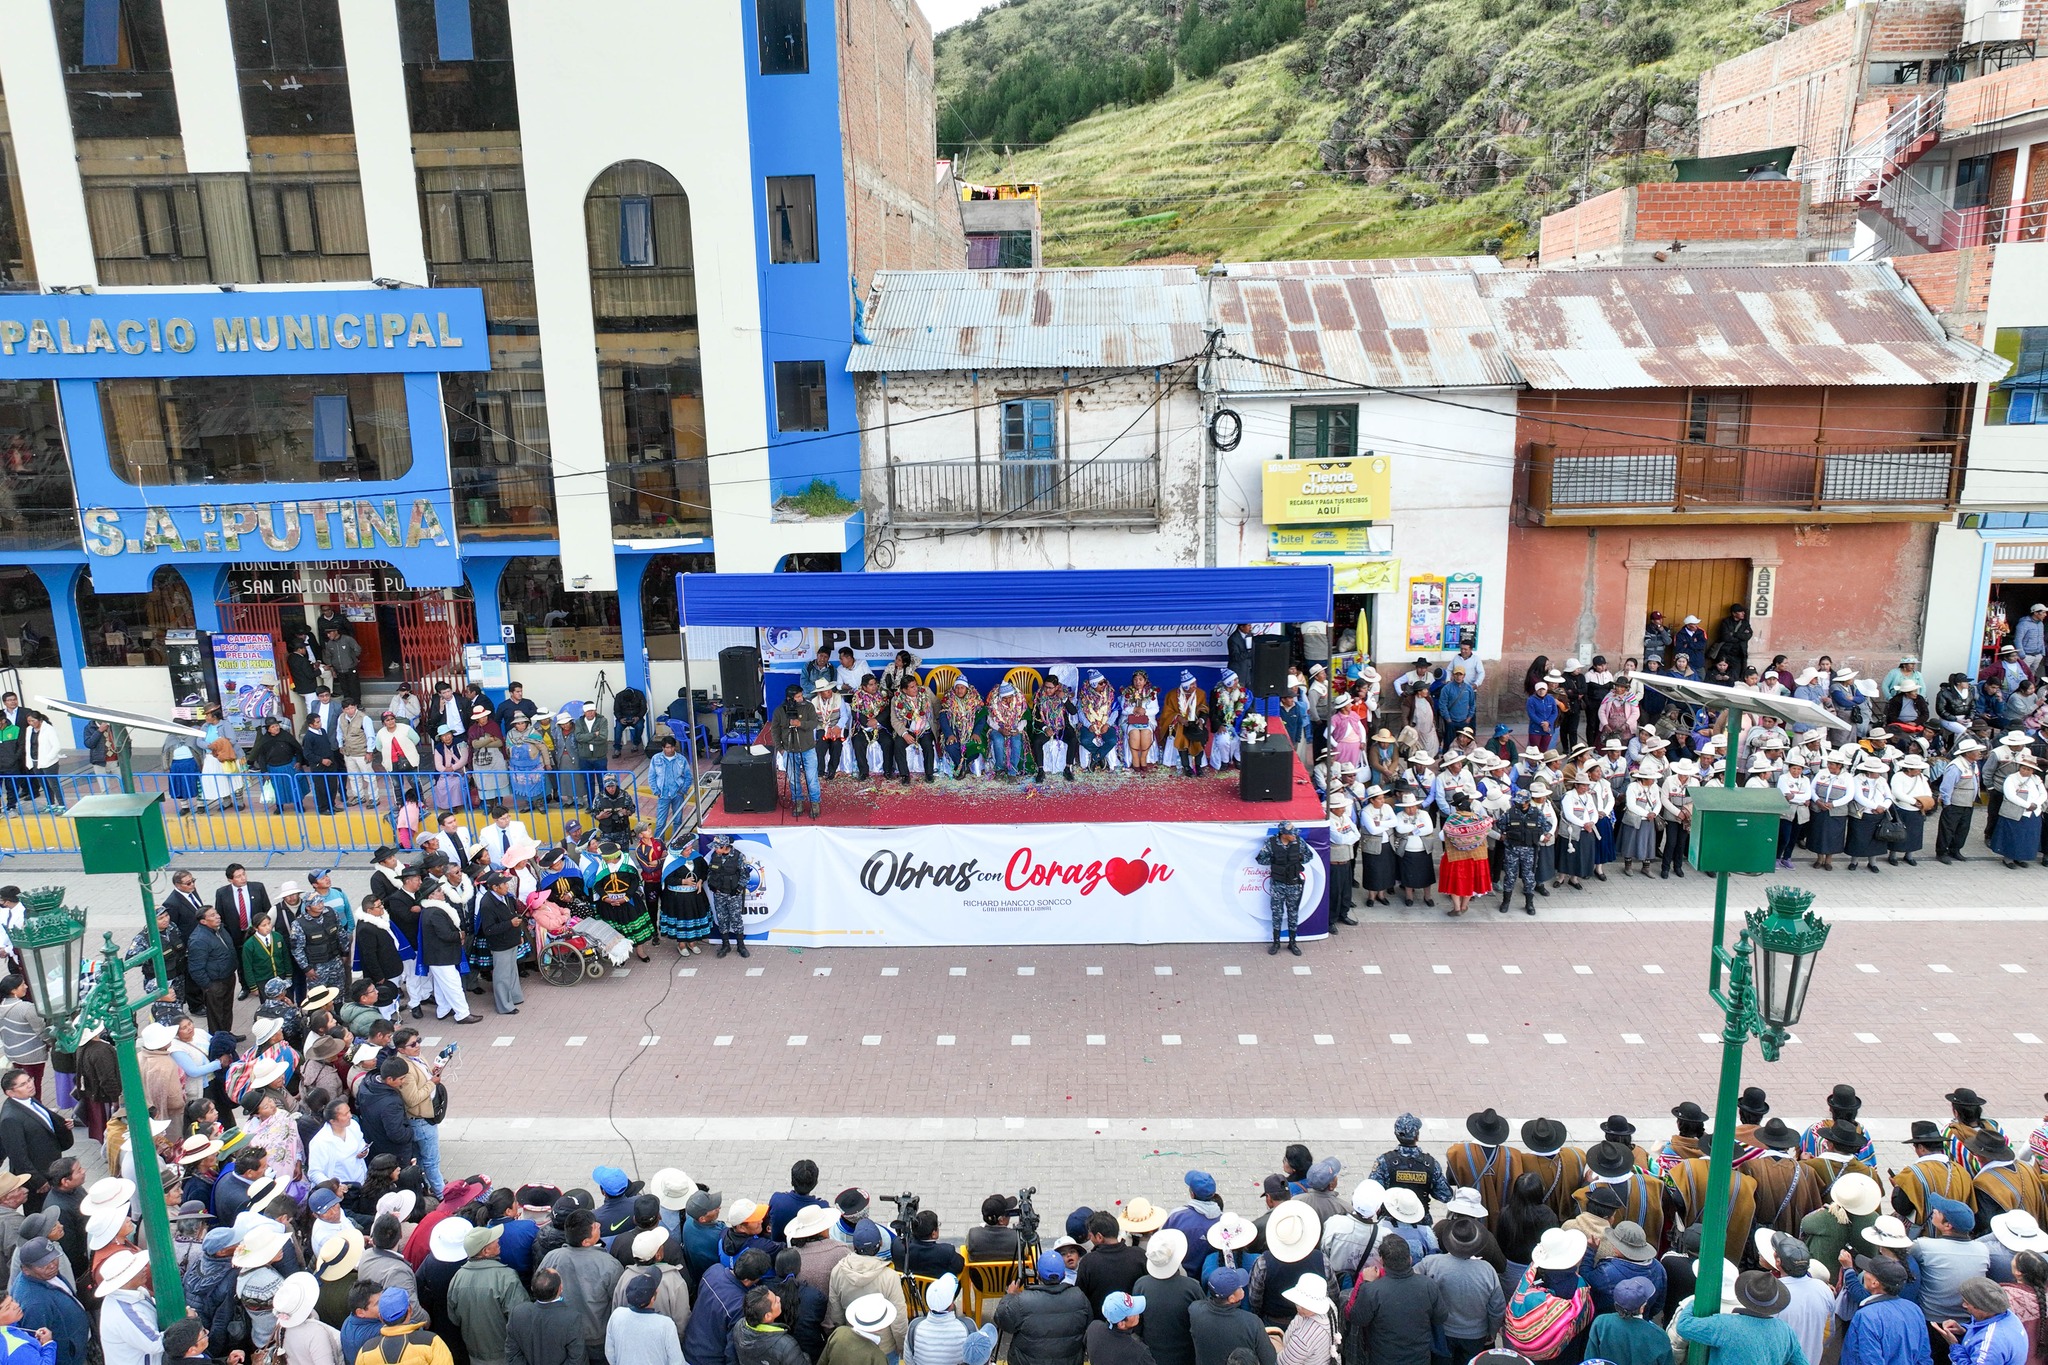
x,y
1045,597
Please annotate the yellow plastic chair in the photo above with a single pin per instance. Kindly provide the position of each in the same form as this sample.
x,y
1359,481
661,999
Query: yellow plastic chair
x,y
941,679
914,1287
1025,679
984,1283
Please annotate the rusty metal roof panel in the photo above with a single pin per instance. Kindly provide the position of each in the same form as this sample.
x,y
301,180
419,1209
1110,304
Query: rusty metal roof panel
x,y
1293,326
1831,323
1118,318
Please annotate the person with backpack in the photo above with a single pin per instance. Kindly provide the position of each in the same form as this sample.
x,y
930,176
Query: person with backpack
x,y
405,1338
1550,1307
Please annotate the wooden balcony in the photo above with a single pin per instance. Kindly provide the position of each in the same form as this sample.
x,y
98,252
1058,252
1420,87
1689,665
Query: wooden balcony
x,y
1613,485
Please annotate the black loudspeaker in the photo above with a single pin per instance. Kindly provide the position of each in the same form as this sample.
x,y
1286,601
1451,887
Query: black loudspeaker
x,y
739,677
749,780
1269,666
1267,770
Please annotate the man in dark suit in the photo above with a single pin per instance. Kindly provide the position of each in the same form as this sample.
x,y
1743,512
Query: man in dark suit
x,y
327,708
210,962
239,903
184,904
31,1137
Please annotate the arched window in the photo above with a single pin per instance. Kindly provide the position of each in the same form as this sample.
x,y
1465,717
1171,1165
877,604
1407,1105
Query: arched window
x,y
549,619
28,632
126,629
643,293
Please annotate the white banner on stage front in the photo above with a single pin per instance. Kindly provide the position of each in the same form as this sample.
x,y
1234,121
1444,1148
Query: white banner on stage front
x,y
1024,644
995,885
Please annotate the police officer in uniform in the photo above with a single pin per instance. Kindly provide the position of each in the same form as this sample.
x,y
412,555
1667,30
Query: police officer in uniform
x,y
1408,1167
320,945
1285,858
1521,830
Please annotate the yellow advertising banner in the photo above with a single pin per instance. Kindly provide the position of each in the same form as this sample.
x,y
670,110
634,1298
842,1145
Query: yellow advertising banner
x,y
1340,542
1309,492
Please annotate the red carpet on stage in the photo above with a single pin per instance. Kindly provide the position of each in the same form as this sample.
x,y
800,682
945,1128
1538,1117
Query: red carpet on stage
x,y
1156,795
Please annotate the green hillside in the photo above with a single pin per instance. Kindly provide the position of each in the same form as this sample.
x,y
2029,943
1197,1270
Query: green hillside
x,y
1359,128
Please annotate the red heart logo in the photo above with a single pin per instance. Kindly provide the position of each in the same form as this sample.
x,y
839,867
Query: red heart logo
x,y
1126,875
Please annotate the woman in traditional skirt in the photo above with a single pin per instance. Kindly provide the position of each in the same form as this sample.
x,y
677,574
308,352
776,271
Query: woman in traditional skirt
x,y
1411,838
685,904
1912,798
1867,810
1607,782
1797,789
1378,865
1636,839
1464,872
2016,835
527,756
181,761
616,897
1577,831
1828,832
1546,847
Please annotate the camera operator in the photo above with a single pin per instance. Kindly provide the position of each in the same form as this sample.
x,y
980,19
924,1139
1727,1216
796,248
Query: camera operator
x,y
995,1239
925,1253
426,1101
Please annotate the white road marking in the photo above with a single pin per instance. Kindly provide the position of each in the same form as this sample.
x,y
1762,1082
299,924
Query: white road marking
x,y
576,1041
1946,1038
1248,1039
1095,971
1098,1040
1653,969
1399,1039
1710,1037
505,1041
821,971
1632,1039
1582,969
1371,969
1441,970
1870,967
1478,1039
1553,1037
798,1039
1170,1039
649,1039
891,971
1027,971
871,1040
756,971
1509,969
722,1040
1941,967
1162,971
1325,1040
2015,968
1302,971
1867,1038
945,1040
2033,1038
956,971
687,971
1233,971
1020,1040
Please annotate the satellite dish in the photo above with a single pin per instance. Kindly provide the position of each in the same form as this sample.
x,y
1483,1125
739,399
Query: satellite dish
x,y
107,715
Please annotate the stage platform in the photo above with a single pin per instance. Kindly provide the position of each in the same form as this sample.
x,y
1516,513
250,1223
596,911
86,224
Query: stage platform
x,y
1120,797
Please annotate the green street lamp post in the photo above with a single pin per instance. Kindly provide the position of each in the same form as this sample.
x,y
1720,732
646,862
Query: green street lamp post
x,y
1768,972
117,833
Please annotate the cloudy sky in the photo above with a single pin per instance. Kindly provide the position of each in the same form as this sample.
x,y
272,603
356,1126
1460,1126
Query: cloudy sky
x,y
946,13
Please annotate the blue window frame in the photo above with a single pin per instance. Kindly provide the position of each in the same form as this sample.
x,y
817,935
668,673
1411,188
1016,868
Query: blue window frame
x,y
102,33
1030,450
636,230
330,429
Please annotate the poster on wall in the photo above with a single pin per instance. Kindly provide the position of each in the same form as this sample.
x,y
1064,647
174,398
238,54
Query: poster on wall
x,y
245,666
1461,611
487,666
994,885
1426,613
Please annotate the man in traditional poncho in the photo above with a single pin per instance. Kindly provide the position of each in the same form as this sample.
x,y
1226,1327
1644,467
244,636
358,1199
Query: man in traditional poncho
x,y
1007,711
870,709
1184,726
910,716
1226,710
959,716
1053,711
1100,710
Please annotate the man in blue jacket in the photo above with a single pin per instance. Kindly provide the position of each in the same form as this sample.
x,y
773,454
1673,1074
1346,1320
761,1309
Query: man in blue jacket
x,y
721,1301
380,1112
1886,1329
48,1303
1457,703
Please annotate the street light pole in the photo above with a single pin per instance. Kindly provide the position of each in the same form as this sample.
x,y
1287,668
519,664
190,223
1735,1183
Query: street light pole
x,y
1789,936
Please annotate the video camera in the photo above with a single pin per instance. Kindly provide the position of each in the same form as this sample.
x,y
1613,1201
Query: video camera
x,y
1026,1224
907,1206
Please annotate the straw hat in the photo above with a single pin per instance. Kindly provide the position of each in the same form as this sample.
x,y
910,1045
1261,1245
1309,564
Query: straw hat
x,y
122,1269
295,1299
444,1243
1140,1215
809,1221
1404,1205
1311,1292
673,1188
870,1313
1232,1232
1559,1249
1292,1231
112,1193
340,1254
1163,1254
260,1245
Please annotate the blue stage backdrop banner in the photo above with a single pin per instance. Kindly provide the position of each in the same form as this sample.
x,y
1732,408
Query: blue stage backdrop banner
x,y
1034,645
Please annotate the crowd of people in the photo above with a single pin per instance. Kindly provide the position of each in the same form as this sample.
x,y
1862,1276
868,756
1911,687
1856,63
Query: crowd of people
x,y
456,748
311,1222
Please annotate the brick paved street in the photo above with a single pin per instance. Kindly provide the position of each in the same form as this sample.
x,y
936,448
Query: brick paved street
x,y
1100,1071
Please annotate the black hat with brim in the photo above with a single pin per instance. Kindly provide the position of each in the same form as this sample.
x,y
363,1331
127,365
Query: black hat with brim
x,y
1609,1159
1761,1293
1966,1097
1777,1135
1543,1137
1925,1133
1487,1128
1689,1111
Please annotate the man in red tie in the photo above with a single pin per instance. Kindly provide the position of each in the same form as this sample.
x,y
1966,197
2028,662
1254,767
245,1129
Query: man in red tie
x,y
239,903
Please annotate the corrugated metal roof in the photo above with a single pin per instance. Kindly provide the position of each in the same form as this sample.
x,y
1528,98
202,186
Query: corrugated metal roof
x,y
1127,317
1725,325
1328,325
1382,265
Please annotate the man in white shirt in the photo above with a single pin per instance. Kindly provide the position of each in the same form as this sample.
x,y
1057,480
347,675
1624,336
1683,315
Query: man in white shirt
x,y
1475,671
502,835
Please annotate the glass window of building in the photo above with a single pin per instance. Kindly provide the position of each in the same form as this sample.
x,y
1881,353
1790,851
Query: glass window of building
x,y
38,510
117,68
126,629
474,203
293,74
999,251
17,258
785,45
1322,432
649,379
309,223
792,219
533,601
458,65
28,631
658,604
254,429
800,396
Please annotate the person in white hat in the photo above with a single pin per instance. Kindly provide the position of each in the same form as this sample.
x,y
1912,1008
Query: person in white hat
x,y
1642,804
256,1259
1795,784
2016,834
163,1080
1827,833
1415,869
1377,857
1870,804
304,1338
1912,801
128,1330
1312,1331
1962,779
871,1318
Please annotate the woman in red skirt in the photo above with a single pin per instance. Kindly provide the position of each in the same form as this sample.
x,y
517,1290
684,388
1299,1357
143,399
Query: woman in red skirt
x,y
1463,872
